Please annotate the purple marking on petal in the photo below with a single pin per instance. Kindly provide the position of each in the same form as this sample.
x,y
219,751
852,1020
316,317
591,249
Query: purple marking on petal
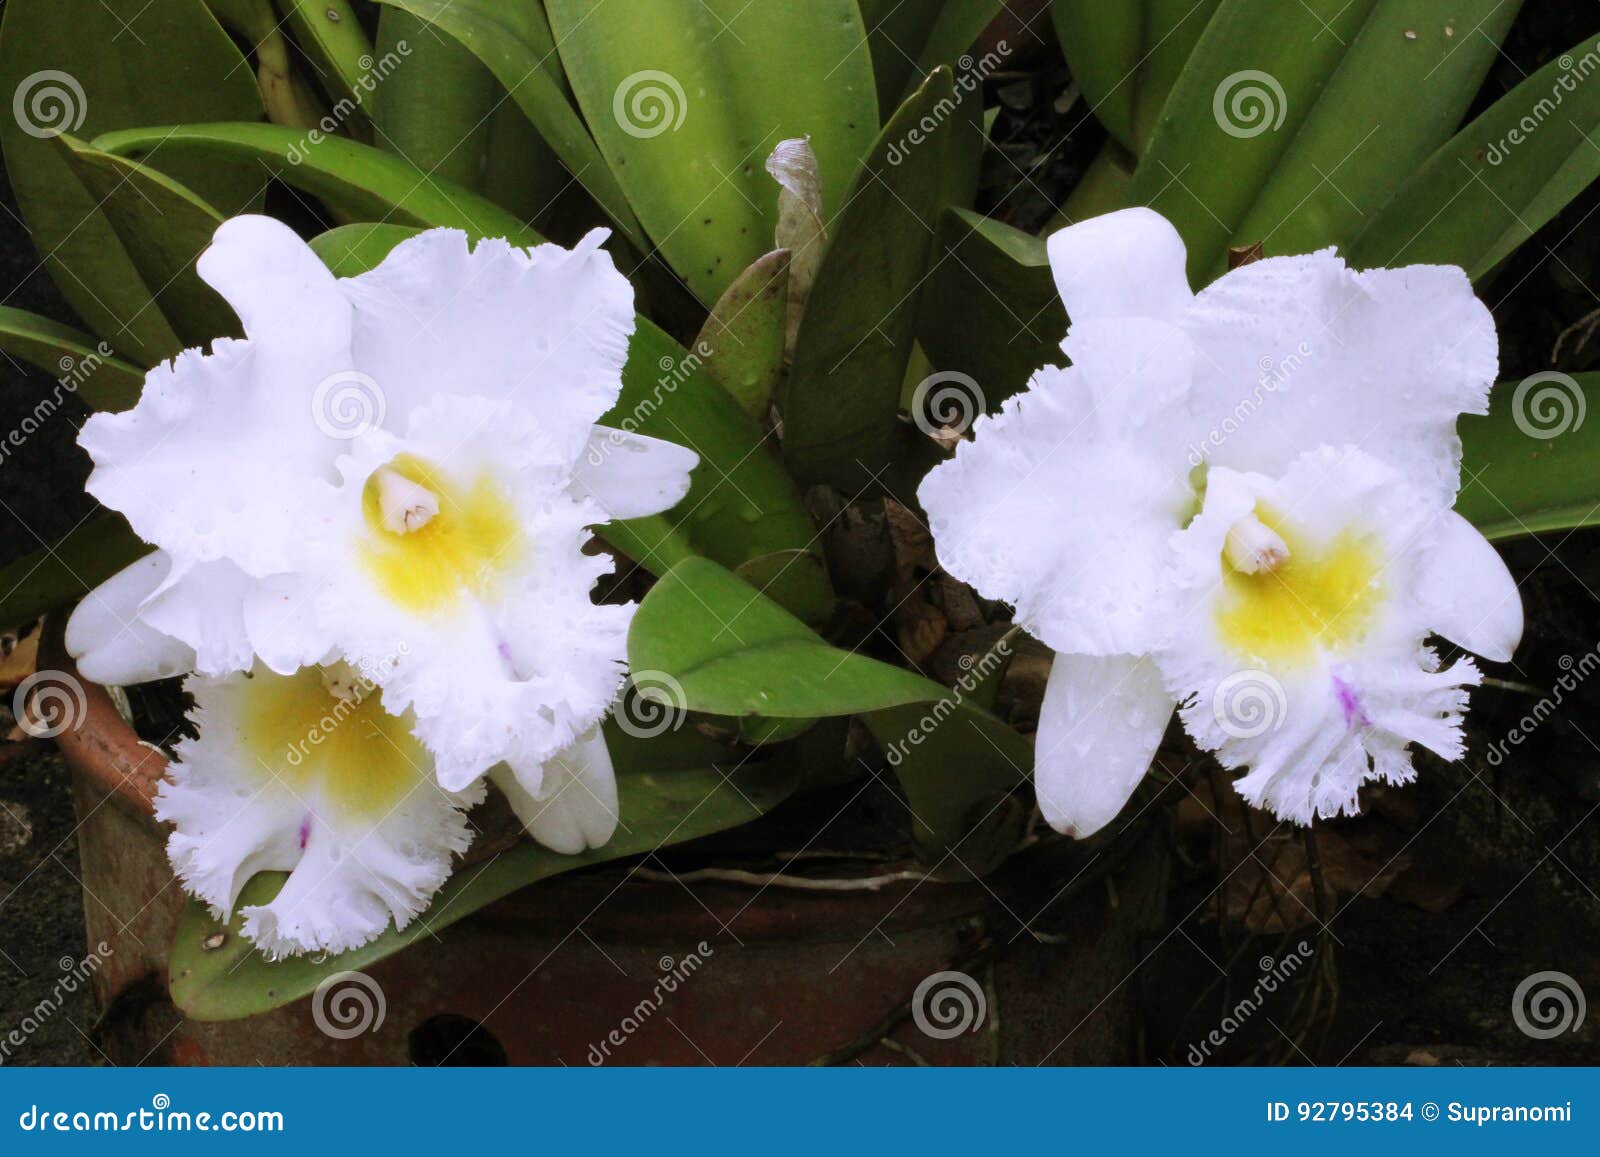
x,y
305,832
505,650
1350,702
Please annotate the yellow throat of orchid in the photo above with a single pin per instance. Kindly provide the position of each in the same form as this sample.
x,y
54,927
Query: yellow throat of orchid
x,y
324,734
1284,599
431,541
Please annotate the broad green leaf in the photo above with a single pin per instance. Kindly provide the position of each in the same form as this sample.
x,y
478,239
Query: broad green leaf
x,y
660,805
434,112
990,309
841,402
740,506
76,360
357,179
164,228
1351,153
513,39
1251,82
1485,191
87,66
687,97
1126,54
332,38
736,653
742,339
1529,465
53,576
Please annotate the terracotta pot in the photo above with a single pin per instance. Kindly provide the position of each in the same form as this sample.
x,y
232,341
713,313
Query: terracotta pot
x,y
573,970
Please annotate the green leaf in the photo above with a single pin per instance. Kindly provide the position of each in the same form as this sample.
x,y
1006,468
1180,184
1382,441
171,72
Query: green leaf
x,y
740,506
357,179
841,403
742,339
53,576
434,112
1529,465
1351,153
686,99
332,38
1251,82
659,806
990,309
736,653
1126,54
88,67
1507,173
76,360
164,228
513,40
910,38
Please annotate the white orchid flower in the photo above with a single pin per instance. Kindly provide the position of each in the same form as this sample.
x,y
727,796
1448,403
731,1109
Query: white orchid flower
x,y
307,774
1238,503
397,470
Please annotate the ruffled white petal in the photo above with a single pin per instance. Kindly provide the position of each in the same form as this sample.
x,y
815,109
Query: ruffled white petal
x,y
285,776
1300,352
631,475
1072,528
1124,264
1467,593
546,327
1099,726
1323,688
510,660
570,803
